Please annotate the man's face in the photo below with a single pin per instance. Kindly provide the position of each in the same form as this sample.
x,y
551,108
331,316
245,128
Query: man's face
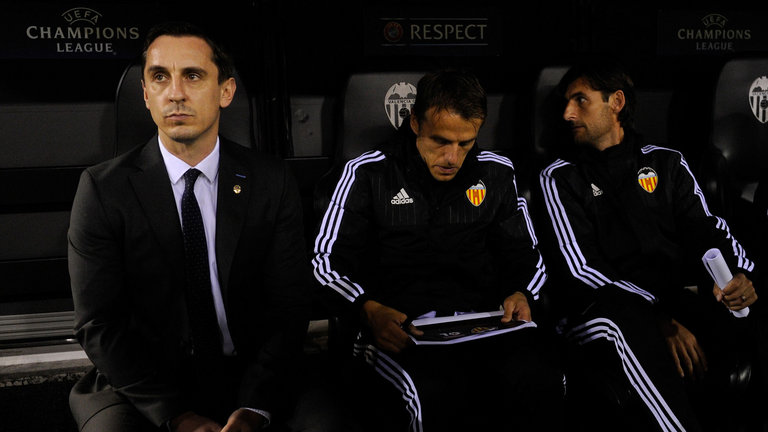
x,y
181,88
591,118
443,139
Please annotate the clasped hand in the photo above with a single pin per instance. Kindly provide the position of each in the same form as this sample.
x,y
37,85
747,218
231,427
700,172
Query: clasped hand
x,y
738,294
242,420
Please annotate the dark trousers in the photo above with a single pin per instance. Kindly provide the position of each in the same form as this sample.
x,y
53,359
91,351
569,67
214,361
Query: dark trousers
x,y
506,382
212,388
621,375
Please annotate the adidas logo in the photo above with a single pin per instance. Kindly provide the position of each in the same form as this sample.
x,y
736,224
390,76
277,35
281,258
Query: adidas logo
x,y
402,198
596,191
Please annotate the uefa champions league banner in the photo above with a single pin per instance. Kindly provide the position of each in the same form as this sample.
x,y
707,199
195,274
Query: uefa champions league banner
x,y
711,32
52,30
106,30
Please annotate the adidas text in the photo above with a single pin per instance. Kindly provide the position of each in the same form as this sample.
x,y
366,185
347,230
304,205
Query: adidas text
x,y
402,198
402,201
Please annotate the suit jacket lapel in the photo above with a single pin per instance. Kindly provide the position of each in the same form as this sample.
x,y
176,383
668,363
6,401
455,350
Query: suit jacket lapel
x,y
233,196
153,190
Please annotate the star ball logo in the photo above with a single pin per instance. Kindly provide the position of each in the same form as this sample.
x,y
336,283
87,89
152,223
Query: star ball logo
x,y
393,32
398,102
714,20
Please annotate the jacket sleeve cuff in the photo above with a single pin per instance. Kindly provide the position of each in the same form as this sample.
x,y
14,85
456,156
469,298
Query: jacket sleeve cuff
x,y
357,305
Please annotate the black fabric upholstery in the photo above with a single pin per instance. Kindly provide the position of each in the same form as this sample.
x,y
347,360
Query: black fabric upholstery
x,y
371,106
738,132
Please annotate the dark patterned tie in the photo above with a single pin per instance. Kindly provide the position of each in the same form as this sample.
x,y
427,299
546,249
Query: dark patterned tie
x,y
202,314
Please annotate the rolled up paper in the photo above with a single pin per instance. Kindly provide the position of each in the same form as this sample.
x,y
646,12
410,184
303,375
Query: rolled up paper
x,y
717,268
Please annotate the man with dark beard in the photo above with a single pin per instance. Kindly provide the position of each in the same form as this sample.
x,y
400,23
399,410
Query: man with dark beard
x,y
629,225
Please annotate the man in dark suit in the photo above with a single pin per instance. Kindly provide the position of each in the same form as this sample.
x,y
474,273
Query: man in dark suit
x,y
131,256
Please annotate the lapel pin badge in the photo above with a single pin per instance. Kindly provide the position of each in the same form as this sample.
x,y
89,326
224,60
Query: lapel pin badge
x,y
237,189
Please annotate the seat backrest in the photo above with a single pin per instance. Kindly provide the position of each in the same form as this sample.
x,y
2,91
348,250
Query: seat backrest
x,y
498,133
652,117
740,118
135,126
739,136
46,145
547,111
373,106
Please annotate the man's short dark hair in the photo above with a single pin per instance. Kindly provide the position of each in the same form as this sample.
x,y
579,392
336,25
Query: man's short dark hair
x,y
220,57
454,90
606,75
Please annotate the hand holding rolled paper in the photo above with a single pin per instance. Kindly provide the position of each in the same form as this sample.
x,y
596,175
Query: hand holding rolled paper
x,y
721,274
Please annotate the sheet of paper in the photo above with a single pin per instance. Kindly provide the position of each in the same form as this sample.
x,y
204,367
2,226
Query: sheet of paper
x,y
463,328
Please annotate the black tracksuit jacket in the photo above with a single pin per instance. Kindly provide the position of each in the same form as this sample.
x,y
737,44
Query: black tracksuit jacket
x,y
631,217
392,233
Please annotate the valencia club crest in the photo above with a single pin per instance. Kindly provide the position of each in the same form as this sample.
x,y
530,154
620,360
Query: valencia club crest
x,y
648,179
476,193
758,99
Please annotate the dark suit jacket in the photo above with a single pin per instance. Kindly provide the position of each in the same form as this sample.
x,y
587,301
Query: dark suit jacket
x,y
127,272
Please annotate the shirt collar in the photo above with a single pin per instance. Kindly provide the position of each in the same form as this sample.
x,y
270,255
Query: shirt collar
x,y
177,167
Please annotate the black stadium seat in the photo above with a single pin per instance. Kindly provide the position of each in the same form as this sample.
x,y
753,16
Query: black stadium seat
x,y
652,117
498,131
134,124
46,146
372,106
547,112
740,122
738,180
